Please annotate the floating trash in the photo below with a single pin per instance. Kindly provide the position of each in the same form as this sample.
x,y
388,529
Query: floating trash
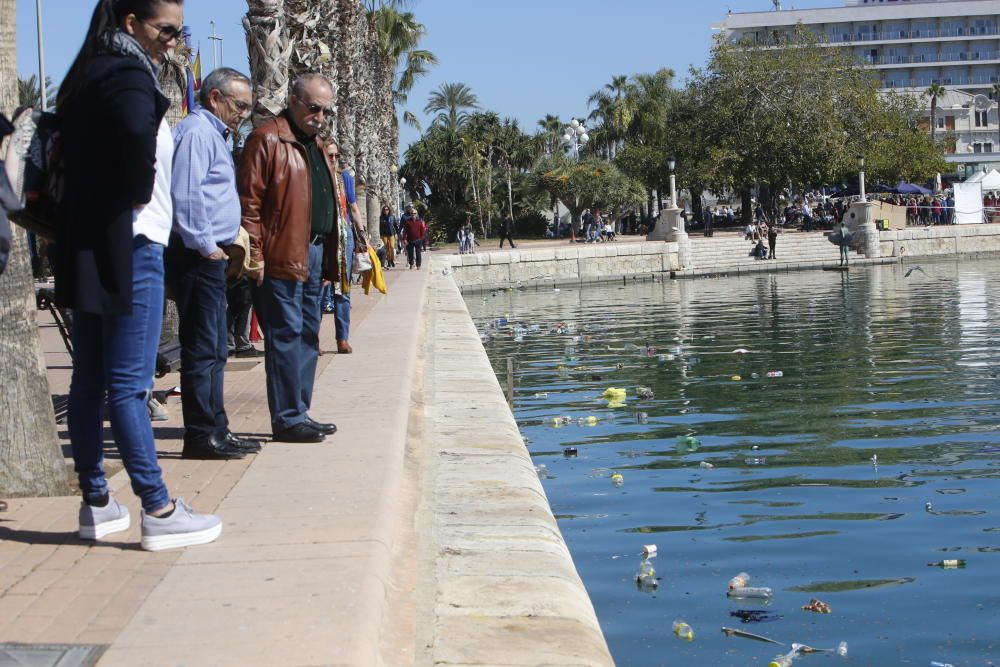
x,y
688,443
741,580
561,421
542,470
874,460
736,378
614,393
817,606
948,564
775,374
619,365
644,392
645,576
683,630
705,465
642,417
741,350
617,479
542,394
751,592
755,615
935,663
649,550
784,660
570,451
755,460
928,507
666,357
736,632
588,421
754,376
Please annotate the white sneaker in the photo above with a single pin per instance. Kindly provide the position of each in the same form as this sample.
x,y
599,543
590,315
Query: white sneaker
x,y
96,522
183,528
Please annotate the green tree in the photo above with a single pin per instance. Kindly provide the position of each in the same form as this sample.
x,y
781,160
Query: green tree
x,y
613,110
29,93
934,91
587,183
399,36
452,103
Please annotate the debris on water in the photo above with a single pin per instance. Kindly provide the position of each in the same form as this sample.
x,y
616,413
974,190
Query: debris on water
x,y
755,447
874,460
561,421
736,632
642,417
683,630
784,660
775,374
755,615
542,470
817,606
736,378
644,392
649,550
617,479
935,663
614,393
842,649
751,592
741,350
590,420
688,443
542,394
666,357
948,564
755,460
754,376
928,507
705,465
570,451
741,580
645,576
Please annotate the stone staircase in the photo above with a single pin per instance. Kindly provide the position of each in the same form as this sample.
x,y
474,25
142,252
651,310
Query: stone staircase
x,y
729,252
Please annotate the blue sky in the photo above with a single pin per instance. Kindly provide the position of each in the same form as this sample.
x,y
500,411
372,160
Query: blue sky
x,y
523,58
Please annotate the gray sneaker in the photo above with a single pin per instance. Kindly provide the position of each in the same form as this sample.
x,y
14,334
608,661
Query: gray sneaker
x,y
96,522
183,528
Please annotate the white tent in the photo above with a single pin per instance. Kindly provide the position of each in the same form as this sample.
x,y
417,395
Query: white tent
x,y
968,203
991,181
976,177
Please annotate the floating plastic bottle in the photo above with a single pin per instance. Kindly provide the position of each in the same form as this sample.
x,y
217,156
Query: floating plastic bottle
x,y
785,660
570,451
736,378
588,421
949,564
935,663
542,470
928,507
644,392
614,393
542,394
741,580
683,630
649,550
617,479
645,576
842,649
705,465
775,374
760,593
688,443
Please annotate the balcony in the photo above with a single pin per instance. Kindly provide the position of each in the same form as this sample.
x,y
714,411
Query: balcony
x,y
847,37
982,80
924,58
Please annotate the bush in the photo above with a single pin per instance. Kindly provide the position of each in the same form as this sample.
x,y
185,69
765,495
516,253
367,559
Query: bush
x,y
531,225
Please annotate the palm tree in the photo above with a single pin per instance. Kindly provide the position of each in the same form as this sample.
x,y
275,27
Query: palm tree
x,y
549,133
614,109
29,93
452,103
270,52
935,91
399,34
31,461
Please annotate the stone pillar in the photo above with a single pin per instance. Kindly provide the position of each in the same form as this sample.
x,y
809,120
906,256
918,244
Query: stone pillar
x,y
670,228
862,225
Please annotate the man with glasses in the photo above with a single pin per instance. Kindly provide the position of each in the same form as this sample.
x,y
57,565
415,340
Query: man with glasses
x,y
288,193
206,219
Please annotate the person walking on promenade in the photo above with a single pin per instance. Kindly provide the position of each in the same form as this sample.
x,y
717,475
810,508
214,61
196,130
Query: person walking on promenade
x,y
206,219
350,236
772,240
414,230
387,224
288,194
507,231
117,153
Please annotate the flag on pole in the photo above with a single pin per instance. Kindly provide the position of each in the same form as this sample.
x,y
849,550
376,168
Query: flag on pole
x,y
193,84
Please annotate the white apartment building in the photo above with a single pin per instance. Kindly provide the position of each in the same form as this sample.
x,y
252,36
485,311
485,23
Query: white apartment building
x,y
911,44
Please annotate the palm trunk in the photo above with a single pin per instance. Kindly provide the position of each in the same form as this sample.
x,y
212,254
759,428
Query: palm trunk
x,y
269,51
933,118
31,461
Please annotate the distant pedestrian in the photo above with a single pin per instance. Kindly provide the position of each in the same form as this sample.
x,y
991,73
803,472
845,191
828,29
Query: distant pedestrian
x,y
118,152
387,224
507,231
414,230
772,240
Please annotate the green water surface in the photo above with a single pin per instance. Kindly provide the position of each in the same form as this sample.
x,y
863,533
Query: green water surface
x,y
874,364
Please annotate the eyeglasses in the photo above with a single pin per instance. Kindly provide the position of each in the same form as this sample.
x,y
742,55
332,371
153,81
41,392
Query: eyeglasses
x,y
315,108
165,33
240,105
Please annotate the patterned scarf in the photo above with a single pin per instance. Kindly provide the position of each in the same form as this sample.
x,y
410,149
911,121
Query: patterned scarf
x,y
343,229
124,44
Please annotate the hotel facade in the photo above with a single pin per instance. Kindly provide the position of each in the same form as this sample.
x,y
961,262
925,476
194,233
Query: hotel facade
x,y
911,44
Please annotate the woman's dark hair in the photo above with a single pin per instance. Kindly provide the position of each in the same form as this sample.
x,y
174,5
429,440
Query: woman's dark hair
x,y
107,18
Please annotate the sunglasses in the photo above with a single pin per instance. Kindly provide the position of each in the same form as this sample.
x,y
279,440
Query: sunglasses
x,y
240,105
165,33
316,108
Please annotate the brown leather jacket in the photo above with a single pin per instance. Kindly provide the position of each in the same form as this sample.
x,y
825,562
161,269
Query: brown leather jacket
x,y
276,197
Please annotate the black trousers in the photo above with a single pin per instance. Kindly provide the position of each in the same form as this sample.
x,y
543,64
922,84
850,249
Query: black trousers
x,y
413,251
239,299
199,286
509,238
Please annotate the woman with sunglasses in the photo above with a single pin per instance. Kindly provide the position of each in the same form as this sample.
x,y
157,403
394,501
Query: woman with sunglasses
x,y
117,150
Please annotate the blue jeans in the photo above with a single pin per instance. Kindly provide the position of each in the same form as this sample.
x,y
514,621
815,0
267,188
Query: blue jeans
x,y
117,354
290,314
199,286
342,302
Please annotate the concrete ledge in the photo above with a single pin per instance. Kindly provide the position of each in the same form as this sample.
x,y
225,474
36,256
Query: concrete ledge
x,y
506,591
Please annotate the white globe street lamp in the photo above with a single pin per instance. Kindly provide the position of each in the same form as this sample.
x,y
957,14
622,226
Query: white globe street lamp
x,y
576,137
399,198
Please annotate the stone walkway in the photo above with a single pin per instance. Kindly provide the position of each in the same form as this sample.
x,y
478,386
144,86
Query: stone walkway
x,y
302,563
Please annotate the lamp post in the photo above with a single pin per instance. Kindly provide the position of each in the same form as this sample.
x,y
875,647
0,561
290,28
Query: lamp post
x,y
671,165
861,177
216,38
575,136
399,198
41,57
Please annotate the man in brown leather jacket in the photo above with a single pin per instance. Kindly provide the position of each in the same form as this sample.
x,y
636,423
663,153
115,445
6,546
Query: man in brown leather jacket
x,y
288,194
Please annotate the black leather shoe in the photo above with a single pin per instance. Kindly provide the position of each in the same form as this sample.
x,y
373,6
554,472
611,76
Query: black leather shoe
x,y
325,429
248,353
211,448
302,432
244,445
